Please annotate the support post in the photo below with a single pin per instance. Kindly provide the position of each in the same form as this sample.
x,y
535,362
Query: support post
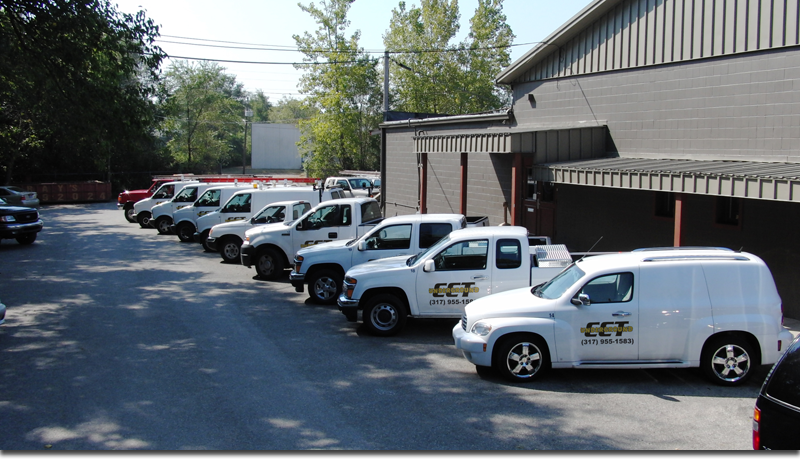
x,y
678,234
423,183
517,181
464,162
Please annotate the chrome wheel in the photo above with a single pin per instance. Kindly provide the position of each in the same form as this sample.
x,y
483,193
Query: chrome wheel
x,y
268,264
730,363
521,359
162,225
385,315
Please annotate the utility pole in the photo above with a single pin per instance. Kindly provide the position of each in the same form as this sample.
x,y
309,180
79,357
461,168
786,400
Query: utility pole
x,y
383,130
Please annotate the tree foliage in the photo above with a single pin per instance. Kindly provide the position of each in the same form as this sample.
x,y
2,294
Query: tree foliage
x,y
204,116
76,82
342,82
290,111
432,74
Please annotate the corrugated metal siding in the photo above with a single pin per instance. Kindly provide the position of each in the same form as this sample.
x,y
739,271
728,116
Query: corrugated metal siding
x,y
751,180
639,33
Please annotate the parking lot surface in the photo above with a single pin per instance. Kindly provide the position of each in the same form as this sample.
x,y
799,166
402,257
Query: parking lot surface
x,y
117,338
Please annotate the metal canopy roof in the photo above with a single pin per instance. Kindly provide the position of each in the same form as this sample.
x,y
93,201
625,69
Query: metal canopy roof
x,y
752,180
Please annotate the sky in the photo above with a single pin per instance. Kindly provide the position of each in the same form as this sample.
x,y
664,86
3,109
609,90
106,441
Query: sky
x,y
224,30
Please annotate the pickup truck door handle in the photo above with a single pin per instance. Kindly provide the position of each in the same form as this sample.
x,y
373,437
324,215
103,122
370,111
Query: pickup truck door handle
x,y
478,278
332,234
621,314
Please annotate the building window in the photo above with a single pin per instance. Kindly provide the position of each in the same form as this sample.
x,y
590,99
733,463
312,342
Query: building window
x,y
665,205
728,211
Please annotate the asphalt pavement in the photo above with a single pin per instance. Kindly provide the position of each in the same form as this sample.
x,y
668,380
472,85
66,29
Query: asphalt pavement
x,y
118,338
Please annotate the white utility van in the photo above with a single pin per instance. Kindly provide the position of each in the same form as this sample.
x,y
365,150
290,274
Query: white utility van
x,y
711,308
166,192
161,214
184,221
245,203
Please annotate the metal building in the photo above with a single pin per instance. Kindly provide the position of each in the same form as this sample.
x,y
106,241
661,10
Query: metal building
x,y
646,122
274,147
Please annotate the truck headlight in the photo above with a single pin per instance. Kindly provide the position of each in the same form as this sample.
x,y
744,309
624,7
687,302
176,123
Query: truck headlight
x,y
298,262
481,328
7,218
349,286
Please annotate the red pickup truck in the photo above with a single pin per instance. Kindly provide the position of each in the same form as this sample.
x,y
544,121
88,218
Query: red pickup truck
x,y
127,199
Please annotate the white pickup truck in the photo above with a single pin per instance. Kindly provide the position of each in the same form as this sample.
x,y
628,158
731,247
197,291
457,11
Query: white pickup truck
x,y
271,248
161,214
322,267
463,266
656,308
226,238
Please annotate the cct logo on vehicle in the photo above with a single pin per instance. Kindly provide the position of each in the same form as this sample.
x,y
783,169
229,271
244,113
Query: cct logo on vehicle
x,y
453,289
607,329
312,243
234,219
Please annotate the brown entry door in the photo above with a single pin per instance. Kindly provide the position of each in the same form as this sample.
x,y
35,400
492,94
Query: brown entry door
x,y
539,209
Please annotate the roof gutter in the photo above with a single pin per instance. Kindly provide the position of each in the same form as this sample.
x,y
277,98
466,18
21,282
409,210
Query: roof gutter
x,y
465,118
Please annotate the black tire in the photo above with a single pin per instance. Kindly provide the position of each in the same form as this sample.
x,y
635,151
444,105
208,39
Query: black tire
x,y
385,315
162,224
26,239
230,248
130,214
144,219
521,358
324,286
185,232
728,360
269,264
203,239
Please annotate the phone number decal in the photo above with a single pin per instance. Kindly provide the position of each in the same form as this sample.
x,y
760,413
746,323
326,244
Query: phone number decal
x,y
451,301
595,342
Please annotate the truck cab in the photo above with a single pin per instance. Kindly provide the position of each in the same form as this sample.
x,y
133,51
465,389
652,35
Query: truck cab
x,y
440,282
271,248
161,214
226,238
322,267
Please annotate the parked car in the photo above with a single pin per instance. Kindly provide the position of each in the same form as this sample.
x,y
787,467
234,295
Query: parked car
x,y
17,196
776,418
715,309
20,223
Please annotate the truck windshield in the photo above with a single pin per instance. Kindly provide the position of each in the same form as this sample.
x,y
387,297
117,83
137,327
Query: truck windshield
x,y
432,249
187,194
555,288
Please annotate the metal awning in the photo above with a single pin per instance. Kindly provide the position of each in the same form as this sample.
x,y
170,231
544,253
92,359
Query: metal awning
x,y
772,181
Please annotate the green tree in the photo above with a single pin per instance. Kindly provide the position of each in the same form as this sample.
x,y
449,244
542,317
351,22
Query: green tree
x,y
432,74
342,82
289,110
76,86
204,108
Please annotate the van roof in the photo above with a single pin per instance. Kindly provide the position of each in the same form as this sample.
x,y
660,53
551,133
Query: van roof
x,y
663,255
423,218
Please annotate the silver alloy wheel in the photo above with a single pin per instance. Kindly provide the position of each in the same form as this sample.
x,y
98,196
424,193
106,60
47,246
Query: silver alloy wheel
x,y
162,225
186,232
730,362
383,316
324,288
524,360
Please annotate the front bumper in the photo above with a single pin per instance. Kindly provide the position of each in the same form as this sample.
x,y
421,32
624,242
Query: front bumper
x,y
15,230
248,255
472,346
298,281
211,242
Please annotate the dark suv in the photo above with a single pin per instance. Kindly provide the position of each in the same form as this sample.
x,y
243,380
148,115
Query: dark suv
x,y
21,223
776,419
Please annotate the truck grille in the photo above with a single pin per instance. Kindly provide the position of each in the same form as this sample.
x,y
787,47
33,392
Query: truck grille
x,y
27,217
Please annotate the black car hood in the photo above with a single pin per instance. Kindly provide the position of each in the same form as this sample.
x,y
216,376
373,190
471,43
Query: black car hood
x,y
5,210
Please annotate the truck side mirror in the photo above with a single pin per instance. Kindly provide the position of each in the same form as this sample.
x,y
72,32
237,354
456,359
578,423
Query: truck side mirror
x,y
362,245
429,266
583,299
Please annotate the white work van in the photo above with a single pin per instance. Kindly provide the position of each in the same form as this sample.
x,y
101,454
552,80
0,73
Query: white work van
x,y
143,209
226,238
710,308
322,267
463,266
184,220
161,214
245,203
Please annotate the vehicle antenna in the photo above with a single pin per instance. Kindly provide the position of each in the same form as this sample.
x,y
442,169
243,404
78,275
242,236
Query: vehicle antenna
x,y
590,249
